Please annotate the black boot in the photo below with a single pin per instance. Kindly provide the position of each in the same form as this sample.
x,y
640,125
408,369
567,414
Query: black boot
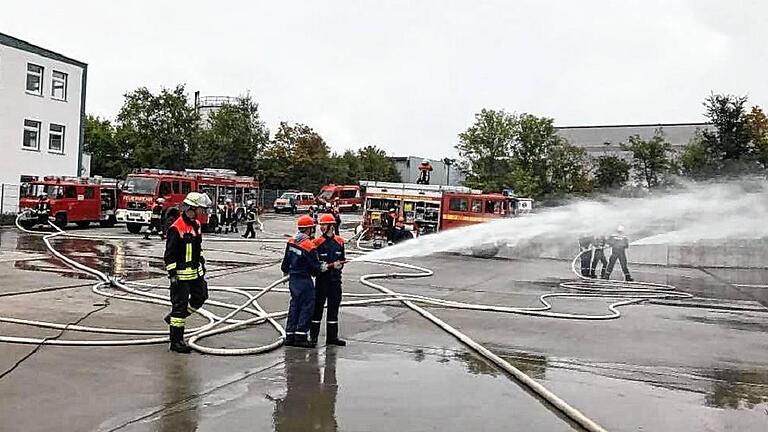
x,y
332,338
314,332
303,342
290,340
177,341
628,278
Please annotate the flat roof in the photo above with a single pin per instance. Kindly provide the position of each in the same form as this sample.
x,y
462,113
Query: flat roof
x,y
634,125
17,43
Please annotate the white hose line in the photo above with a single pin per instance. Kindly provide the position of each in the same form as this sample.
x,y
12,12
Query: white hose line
x,y
562,406
631,292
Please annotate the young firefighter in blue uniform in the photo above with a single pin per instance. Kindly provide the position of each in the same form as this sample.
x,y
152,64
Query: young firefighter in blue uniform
x,y
185,264
330,250
300,263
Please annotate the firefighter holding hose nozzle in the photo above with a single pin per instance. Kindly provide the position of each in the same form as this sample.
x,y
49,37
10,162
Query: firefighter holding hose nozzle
x,y
300,263
330,250
185,264
585,251
43,209
619,244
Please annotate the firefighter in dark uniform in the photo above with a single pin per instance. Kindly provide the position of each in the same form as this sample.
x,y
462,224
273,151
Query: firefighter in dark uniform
x,y
425,170
156,220
43,209
185,264
228,216
330,250
599,257
300,263
250,219
619,244
585,251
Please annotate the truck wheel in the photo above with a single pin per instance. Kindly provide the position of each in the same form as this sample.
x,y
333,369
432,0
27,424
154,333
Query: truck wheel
x,y
83,224
133,228
61,220
108,223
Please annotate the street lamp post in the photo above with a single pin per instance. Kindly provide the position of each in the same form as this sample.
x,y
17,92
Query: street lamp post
x,y
448,162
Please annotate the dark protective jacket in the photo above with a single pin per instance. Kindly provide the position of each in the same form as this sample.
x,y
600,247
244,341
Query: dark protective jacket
x,y
250,217
599,242
330,250
183,250
157,211
618,242
585,242
300,257
43,206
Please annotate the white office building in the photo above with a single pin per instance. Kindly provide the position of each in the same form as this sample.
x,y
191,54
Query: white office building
x,y
42,114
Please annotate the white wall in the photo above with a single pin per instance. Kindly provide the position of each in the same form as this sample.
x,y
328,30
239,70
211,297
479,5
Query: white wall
x,y
16,105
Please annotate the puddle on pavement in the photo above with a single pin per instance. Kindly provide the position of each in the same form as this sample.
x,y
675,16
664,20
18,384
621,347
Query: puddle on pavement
x,y
350,390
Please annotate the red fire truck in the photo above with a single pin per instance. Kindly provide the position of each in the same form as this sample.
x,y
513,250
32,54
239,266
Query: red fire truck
x,y
71,199
430,208
347,196
142,187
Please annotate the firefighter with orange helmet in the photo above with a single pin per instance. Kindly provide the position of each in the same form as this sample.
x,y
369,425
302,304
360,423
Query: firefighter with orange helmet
x,y
185,265
301,263
330,250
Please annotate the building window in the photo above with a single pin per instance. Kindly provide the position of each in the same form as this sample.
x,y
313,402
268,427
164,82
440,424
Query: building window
x,y
31,135
59,85
458,204
56,139
34,79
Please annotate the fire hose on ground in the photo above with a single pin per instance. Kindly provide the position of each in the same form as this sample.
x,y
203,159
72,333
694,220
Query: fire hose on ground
x,y
625,293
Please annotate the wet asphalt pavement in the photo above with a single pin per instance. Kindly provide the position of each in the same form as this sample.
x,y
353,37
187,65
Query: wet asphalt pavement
x,y
698,365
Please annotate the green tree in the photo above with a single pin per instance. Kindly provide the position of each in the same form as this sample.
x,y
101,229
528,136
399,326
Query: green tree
x,y
697,159
611,172
730,139
485,149
233,138
756,124
297,157
523,152
651,162
373,164
108,159
158,130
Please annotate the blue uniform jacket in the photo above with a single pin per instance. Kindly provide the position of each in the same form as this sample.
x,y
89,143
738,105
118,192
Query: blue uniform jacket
x,y
300,258
330,250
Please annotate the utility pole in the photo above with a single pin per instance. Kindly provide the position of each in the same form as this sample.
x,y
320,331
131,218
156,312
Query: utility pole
x,y
448,162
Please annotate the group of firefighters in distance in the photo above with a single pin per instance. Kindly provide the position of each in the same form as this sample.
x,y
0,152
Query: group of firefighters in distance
x,y
306,257
592,252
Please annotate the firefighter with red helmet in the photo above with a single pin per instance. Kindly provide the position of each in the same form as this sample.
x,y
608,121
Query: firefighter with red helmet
x,y
185,264
156,220
330,250
425,170
301,263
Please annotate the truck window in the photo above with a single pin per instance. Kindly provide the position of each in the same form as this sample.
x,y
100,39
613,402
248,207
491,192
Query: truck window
x,y
176,187
70,192
348,193
165,189
458,204
477,206
89,193
492,207
186,187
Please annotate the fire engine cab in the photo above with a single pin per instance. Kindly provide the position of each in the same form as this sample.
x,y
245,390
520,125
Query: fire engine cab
x,y
347,196
428,209
70,199
142,187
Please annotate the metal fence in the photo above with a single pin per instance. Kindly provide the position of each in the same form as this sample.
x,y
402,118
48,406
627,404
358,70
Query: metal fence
x,y
9,198
267,197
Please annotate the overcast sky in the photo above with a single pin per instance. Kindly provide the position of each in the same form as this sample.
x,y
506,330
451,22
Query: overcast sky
x,y
409,75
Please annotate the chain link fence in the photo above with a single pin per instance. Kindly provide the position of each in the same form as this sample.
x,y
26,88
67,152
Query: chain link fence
x,y
267,197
